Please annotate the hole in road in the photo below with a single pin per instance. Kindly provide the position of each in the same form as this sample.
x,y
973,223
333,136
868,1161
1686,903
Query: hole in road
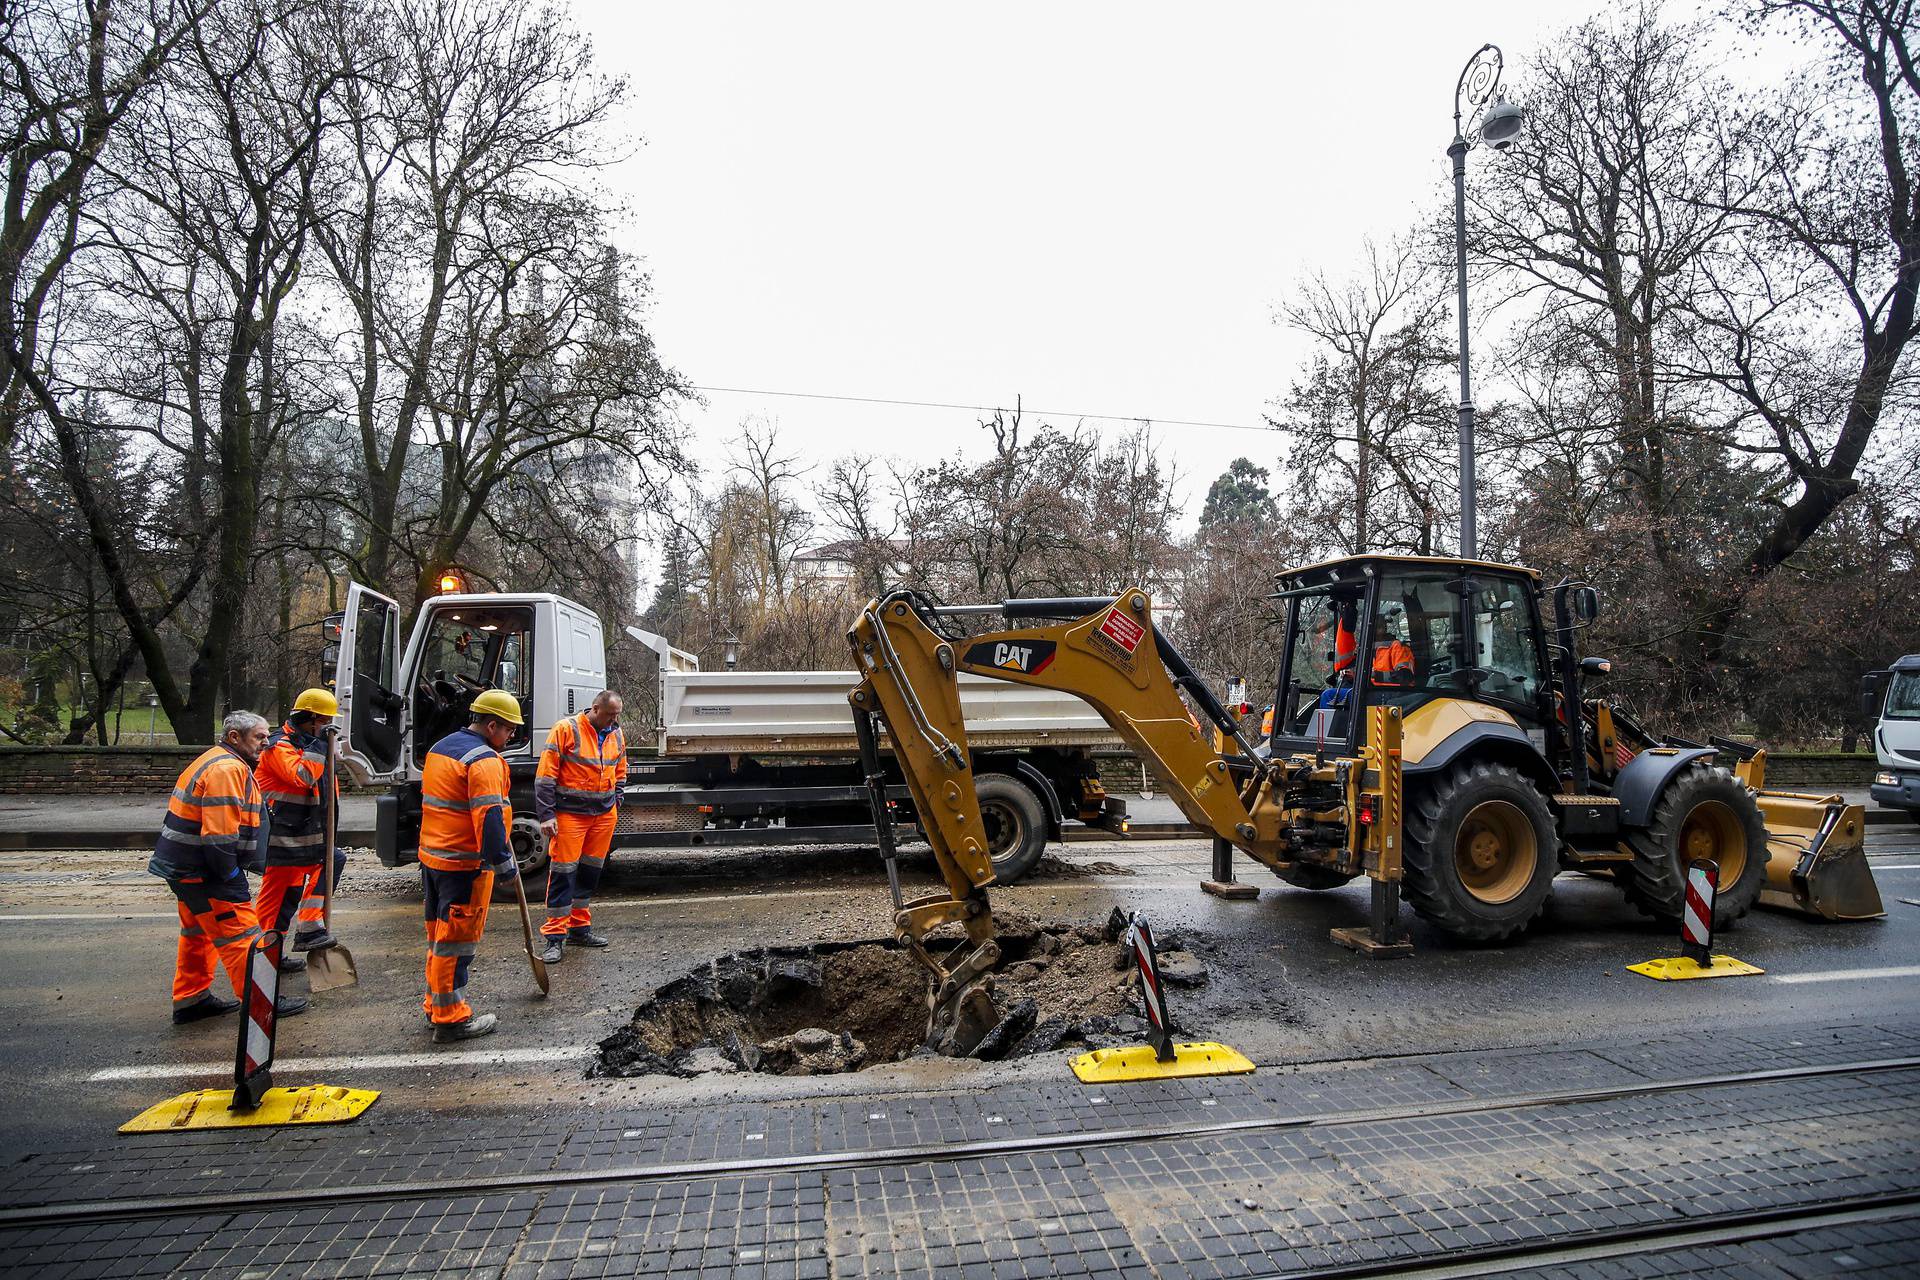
x,y
844,1006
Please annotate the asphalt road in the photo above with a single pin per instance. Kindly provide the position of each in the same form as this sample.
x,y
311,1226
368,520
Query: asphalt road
x,y
86,946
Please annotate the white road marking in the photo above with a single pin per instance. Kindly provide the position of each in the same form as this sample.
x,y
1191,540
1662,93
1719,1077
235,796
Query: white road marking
x,y
1851,975
1896,866
365,1062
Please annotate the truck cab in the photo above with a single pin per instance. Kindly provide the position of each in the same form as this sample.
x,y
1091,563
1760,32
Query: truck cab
x,y
1891,699
397,701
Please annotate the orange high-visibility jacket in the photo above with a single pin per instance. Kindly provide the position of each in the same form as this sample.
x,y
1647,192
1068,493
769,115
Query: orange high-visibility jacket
x,y
1392,663
215,822
464,811
289,775
581,771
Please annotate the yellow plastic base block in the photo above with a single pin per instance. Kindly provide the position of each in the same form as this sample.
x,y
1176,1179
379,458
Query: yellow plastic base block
x,y
1677,968
207,1109
1136,1062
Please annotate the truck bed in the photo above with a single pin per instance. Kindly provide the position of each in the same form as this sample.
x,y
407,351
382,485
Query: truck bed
x,y
806,713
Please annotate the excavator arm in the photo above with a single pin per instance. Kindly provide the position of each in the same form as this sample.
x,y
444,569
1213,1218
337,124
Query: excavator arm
x,y
1110,656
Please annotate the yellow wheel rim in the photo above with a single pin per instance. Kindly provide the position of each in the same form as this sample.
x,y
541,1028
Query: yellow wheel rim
x,y
1496,852
1712,831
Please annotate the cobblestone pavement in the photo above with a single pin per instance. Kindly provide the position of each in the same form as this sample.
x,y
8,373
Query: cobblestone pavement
x,y
1303,1171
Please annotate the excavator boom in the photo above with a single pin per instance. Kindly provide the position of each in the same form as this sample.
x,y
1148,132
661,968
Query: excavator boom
x,y
1110,655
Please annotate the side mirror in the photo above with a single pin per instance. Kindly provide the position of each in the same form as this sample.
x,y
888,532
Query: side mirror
x,y
1872,689
1586,603
1596,666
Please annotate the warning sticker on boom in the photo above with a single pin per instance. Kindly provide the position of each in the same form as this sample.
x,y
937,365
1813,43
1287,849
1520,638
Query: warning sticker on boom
x,y
1122,630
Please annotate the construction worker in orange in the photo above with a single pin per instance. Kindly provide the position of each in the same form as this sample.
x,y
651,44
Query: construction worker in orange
x,y
290,774
214,832
576,796
464,819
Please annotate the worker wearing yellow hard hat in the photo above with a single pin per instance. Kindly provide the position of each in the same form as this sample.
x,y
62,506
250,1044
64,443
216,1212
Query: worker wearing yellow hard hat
x,y
290,776
464,820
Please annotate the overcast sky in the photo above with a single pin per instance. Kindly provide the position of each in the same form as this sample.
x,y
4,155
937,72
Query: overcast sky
x,y
1094,206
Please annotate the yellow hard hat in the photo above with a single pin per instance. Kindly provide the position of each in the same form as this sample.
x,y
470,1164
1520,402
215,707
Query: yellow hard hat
x,y
318,701
499,703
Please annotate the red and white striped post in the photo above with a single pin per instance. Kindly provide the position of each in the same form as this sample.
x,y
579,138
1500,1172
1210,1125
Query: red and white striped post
x,y
1152,994
1696,917
253,1060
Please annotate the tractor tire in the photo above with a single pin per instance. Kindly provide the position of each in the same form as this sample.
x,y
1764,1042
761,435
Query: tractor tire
x,y
1481,852
1703,813
1305,875
1016,825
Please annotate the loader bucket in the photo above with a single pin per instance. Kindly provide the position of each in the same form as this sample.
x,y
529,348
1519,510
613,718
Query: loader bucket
x,y
1818,857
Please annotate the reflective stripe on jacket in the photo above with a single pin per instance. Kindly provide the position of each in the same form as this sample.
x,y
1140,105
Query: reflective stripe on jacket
x,y
464,811
581,771
289,773
216,821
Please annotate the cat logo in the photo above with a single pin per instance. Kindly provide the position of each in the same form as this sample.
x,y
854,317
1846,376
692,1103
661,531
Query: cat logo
x,y
1029,657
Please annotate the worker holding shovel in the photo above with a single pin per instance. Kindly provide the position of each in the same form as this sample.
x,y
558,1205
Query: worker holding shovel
x,y
464,820
291,775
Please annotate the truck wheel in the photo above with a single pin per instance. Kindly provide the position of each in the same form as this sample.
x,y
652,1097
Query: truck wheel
x,y
1016,825
1703,813
1481,852
1304,875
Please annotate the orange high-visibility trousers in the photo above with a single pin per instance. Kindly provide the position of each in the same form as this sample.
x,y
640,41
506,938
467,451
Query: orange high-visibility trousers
x,y
290,892
210,927
578,852
456,909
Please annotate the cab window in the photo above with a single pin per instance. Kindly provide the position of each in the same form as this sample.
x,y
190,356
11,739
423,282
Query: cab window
x,y
467,650
1427,642
1316,698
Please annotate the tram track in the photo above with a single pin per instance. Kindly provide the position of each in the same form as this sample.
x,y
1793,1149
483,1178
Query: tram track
x,y
1570,1249
138,1208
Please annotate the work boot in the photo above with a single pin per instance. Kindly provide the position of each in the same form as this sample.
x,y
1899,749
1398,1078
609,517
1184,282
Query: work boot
x,y
480,1024
554,952
586,938
290,1006
312,941
207,1006
293,964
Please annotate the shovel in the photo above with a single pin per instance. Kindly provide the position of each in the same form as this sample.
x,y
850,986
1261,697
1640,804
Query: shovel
x,y
332,965
526,932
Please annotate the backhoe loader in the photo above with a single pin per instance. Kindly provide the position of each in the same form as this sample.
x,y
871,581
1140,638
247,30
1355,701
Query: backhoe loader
x,y
1430,733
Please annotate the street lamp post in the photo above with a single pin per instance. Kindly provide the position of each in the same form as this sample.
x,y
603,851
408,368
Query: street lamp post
x,y
1479,115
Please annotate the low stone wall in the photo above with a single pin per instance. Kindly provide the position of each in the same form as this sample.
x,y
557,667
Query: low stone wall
x,y
91,770
1819,770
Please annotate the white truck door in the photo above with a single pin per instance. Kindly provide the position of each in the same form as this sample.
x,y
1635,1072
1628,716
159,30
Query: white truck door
x,y
372,713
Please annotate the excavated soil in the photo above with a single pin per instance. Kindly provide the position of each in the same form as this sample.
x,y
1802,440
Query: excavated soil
x,y
843,1006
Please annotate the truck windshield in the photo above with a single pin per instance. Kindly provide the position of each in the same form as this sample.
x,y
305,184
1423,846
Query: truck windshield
x,y
1903,696
469,648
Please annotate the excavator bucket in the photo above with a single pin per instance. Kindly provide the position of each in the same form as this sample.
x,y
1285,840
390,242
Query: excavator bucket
x,y
1818,863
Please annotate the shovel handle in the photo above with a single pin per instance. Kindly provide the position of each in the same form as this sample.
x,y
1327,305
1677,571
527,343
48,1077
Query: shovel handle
x,y
526,932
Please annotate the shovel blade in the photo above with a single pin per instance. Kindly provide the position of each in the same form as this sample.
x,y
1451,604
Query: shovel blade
x,y
331,967
539,971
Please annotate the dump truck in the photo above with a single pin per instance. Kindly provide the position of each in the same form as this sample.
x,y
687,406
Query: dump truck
x,y
1432,733
738,758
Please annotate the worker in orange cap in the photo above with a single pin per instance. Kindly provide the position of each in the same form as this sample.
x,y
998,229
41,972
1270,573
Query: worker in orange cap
x,y
290,774
214,832
464,819
576,796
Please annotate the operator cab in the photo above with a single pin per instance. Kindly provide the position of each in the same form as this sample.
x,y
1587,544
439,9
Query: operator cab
x,y
1404,631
